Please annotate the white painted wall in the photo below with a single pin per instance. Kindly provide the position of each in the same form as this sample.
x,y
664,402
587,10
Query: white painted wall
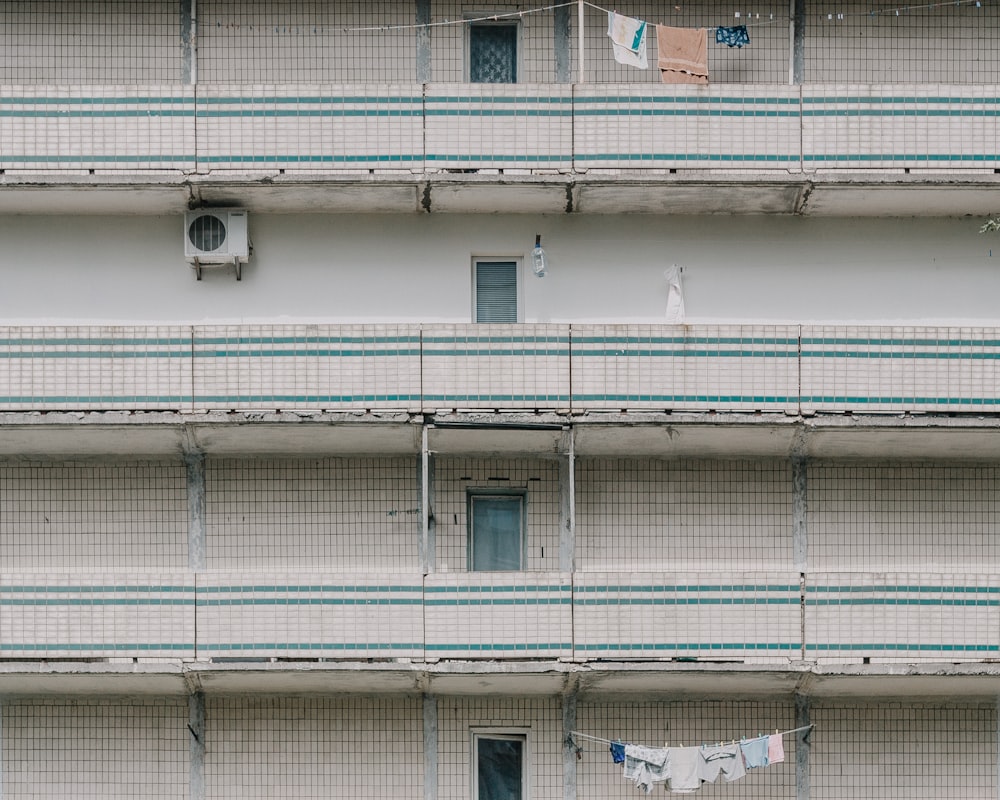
x,y
374,268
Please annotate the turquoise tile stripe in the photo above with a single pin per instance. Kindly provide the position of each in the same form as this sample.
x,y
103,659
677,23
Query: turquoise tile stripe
x,y
893,647
327,647
682,647
493,647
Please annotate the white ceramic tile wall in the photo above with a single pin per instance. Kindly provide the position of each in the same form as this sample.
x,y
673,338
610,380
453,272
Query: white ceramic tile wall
x,y
909,750
310,615
496,366
656,723
677,516
95,368
903,517
294,366
313,748
349,514
498,126
877,126
128,516
107,128
645,615
310,127
510,367
333,746
54,749
498,615
671,126
272,42
91,41
899,616
685,367
850,43
59,615
454,476
539,718
862,368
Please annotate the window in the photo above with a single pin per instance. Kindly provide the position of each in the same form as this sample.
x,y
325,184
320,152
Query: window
x,y
493,52
499,765
496,530
495,291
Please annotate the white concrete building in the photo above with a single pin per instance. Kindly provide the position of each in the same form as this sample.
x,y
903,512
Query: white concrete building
x,y
390,516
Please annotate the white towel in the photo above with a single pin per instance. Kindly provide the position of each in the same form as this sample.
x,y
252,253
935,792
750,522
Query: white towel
x,y
628,40
675,295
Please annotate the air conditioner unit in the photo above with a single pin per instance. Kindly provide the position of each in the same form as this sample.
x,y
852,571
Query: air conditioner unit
x,y
216,237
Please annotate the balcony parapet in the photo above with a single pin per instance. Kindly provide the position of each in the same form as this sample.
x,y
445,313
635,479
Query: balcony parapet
x,y
753,618
435,127
412,368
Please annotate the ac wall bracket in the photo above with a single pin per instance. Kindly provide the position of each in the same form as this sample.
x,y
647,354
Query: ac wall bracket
x,y
196,265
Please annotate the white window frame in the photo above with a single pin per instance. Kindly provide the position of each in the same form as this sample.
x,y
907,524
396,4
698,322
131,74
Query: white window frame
x,y
486,491
518,261
515,734
483,18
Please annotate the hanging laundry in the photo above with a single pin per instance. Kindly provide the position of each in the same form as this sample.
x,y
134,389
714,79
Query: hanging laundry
x,y
628,40
682,54
686,764
617,752
734,37
755,752
775,748
726,759
646,766
675,295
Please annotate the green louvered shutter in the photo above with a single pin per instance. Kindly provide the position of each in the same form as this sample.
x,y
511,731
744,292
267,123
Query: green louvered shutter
x,y
496,291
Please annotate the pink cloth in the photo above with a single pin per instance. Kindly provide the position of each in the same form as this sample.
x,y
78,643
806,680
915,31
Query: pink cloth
x,y
682,54
775,748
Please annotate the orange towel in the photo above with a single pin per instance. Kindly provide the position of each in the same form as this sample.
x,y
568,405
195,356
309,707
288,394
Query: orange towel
x,y
682,54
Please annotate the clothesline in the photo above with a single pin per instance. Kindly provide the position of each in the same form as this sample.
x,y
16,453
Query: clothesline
x,y
711,29
749,22
527,11
582,735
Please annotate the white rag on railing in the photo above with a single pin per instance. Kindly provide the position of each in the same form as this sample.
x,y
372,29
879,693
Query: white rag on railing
x,y
628,40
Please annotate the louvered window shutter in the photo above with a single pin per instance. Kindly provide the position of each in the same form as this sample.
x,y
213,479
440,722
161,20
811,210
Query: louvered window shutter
x,y
496,291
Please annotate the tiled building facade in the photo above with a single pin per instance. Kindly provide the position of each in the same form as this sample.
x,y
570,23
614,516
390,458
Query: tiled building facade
x,y
334,530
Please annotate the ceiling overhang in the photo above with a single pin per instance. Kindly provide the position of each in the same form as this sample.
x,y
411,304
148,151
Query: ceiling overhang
x,y
679,192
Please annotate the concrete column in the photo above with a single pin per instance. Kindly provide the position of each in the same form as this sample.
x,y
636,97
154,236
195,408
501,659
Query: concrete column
x,y
800,538
800,514
423,41
1,750
569,748
798,31
430,747
195,463
425,474
802,719
189,42
567,505
562,32
196,749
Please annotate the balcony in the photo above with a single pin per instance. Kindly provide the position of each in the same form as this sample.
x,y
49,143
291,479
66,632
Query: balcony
x,y
531,368
824,150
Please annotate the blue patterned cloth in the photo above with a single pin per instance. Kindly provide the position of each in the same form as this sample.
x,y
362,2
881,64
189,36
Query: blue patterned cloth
x,y
618,752
734,37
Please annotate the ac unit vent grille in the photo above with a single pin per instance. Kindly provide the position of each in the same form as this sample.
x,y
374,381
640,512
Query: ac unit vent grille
x,y
207,233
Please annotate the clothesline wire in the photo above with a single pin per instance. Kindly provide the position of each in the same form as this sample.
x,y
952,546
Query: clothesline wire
x,y
839,16
710,30
485,18
749,24
580,735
